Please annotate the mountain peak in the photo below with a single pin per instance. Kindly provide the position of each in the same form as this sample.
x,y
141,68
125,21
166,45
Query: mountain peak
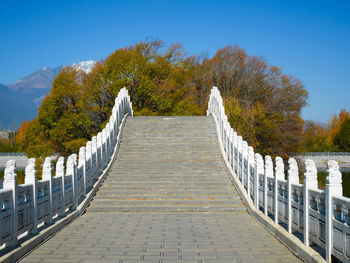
x,y
23,97
85,66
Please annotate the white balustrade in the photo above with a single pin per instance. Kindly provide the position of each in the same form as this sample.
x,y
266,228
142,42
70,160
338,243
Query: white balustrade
x,y
27,206
321,216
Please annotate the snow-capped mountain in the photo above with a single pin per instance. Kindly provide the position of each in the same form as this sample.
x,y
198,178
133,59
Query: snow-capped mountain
x,y
85,66
21,99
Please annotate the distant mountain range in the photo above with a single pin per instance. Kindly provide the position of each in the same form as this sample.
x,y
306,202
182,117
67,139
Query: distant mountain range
x,y
21,99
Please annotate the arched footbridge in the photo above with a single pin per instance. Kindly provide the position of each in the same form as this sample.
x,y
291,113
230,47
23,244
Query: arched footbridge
x,y
172,189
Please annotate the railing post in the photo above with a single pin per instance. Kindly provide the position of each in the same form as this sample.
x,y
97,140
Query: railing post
x,y
222,113
108,139
82,165
60,173
100,153
104,146
234,153
293,178
72,170
310,182
259,169
268,173
94,156
244,157
333,188
47,175
251,165
88,157
111,126
224,133
30,178
231,147
239,155
10,182
228,138
279,175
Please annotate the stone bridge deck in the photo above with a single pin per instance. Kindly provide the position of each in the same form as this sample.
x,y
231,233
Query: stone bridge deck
x,y
168,198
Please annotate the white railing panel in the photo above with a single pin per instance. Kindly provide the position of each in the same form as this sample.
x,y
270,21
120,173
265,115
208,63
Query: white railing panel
x,y
25,208
5,215
43,201
341,228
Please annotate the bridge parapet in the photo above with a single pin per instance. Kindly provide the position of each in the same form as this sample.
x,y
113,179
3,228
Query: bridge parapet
x,y
322,217
26,208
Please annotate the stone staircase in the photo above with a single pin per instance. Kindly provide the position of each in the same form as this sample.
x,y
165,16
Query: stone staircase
x,y
168,164
167,198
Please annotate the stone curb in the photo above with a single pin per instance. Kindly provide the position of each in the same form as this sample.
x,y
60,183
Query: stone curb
x,y
305,253
27,246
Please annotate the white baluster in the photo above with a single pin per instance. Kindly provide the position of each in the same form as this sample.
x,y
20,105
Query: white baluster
x,y
82,166
72,170
47,175
268,174
279,175
333,188
244,159
293,178
100,153
30,178
259,169
60,173
10,182
310,182
88,157
251,165
94,156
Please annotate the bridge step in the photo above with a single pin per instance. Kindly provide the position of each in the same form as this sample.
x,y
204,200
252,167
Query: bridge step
x,y
168,165
168,198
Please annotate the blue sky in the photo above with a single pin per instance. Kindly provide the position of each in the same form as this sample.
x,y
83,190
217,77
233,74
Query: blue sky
x,y
307,39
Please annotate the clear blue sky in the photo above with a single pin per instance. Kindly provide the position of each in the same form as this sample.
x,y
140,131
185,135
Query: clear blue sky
x,y
308,39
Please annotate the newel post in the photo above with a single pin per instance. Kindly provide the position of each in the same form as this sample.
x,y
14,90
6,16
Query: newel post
x,y
333,188
268,173
10,182
30,178
60,173
82,166
47,175
310,182
251,165
279,175
259,169
293,178
72,170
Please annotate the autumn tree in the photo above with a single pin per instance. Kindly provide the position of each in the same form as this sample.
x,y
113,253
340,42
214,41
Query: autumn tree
x,y
342,137
326,138
262,103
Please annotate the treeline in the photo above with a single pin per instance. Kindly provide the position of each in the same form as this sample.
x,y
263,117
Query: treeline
x,y
9,144
334,137
262,103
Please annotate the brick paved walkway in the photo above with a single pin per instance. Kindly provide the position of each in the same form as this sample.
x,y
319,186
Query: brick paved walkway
x,y
168,198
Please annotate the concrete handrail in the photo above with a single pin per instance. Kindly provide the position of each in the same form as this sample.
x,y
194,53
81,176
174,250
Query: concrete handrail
x,y
323,219
27,207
